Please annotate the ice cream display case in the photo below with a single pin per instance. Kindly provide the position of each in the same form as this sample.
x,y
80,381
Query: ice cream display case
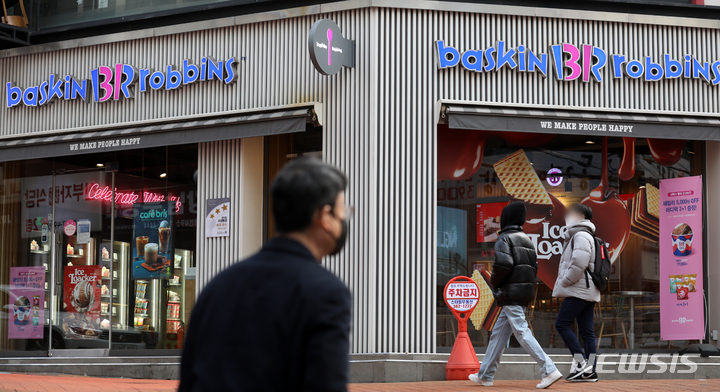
x,y
176,306
114,295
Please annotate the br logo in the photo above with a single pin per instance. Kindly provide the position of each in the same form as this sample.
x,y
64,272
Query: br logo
x,y
329,50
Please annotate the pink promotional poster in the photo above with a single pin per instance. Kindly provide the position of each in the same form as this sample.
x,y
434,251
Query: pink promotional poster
x,y
27,303
681,259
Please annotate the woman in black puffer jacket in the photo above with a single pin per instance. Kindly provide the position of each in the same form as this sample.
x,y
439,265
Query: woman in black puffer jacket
x,y
513,281
515,266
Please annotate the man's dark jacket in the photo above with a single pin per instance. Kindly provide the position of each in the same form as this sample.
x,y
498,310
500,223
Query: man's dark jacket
x,y
277,321
515,265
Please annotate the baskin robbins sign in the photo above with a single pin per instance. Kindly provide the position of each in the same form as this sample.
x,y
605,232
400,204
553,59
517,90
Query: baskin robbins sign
x,y
120,81
569,62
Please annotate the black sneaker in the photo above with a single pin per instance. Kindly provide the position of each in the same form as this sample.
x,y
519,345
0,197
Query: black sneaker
x,y
572,375
578,371
587,377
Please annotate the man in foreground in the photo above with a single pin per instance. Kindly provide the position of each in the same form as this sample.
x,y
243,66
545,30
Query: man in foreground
x,y
513,284
278,321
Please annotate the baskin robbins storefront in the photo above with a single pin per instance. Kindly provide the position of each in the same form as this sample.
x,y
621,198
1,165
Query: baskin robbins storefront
x,y
440,114
626,125
130,175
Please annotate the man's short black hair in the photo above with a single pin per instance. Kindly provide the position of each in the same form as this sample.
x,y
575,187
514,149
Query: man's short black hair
x,y
583,210
302,187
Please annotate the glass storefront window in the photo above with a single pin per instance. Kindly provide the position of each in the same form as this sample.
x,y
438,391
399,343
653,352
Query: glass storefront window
x,y
477,172
55,13
88,292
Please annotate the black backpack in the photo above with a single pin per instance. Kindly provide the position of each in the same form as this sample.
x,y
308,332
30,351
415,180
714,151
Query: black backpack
x,y
603,266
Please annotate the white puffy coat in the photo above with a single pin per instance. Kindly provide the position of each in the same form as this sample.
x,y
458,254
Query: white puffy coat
x,y
571,280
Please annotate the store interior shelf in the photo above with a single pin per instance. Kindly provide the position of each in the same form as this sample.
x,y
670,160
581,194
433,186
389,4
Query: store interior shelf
x,y
75,256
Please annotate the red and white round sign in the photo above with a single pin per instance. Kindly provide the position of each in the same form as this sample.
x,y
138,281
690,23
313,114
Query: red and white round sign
x,y
69,227
462,296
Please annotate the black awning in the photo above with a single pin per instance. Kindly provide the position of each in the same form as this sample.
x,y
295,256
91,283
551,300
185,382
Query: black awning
x,y
261,122
579,122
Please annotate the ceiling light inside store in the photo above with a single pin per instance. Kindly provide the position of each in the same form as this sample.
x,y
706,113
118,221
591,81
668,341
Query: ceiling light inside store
x,y
589,142
99,165
163,175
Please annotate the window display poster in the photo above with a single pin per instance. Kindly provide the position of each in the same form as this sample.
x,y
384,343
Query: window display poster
x,y
152,247
452,242
81,291
488,221
83,231
217,221
26,309
681,259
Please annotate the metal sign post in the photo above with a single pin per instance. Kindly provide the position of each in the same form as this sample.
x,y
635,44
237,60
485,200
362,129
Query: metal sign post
x,y
461,296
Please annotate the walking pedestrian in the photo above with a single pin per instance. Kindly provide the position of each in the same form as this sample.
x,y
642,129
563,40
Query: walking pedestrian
x,y
513,284
579,292
278,320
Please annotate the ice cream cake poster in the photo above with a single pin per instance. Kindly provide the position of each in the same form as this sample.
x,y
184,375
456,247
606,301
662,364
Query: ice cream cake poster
x,y
152,245
681,259
27,303
81,291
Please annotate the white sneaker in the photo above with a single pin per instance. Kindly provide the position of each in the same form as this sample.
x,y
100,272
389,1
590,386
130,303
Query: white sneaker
x,y
474,378
549,379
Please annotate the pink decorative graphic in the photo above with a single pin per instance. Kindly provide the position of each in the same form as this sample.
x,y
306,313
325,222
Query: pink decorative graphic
x,y
118,81
329,35
681,259
106,85
587,62
572,62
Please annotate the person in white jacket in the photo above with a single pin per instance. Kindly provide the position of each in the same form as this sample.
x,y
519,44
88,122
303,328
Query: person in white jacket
x,y
579,293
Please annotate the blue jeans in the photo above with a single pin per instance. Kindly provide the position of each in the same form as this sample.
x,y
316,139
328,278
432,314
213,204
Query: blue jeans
x,y
512,320
577,309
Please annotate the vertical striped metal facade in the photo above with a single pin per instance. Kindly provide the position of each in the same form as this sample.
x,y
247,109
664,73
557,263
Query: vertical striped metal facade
x,y
219,175
379,123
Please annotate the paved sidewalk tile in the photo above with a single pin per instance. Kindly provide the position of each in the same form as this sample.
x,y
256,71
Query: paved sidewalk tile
x,y
562,385
52,383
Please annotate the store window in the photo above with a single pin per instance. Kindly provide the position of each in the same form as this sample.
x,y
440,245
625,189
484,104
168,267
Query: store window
x,y
83,290
279,150
617,177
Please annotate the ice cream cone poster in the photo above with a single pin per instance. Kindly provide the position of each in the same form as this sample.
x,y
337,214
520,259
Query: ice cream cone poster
x,y
217,219
26,310
81,291
681,259
153,237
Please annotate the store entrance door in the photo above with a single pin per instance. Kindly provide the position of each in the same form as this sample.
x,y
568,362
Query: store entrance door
x,y
84,275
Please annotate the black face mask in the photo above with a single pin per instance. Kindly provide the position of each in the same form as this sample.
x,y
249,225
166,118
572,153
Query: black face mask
x,y
343,237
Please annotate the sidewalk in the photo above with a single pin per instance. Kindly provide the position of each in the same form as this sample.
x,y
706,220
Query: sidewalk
x,y
50,383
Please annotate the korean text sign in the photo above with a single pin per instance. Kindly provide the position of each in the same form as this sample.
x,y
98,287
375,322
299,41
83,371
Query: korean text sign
x,y
681,259
462,297
27,303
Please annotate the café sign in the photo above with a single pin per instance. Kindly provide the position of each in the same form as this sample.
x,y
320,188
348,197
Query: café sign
x,y
120,81
568,62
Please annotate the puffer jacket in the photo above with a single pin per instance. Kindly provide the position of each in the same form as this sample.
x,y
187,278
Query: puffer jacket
x,y
571,280
515,268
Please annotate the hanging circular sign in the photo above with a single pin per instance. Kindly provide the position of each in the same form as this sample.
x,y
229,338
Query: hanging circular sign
x,y
554,177
329,50
69,227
